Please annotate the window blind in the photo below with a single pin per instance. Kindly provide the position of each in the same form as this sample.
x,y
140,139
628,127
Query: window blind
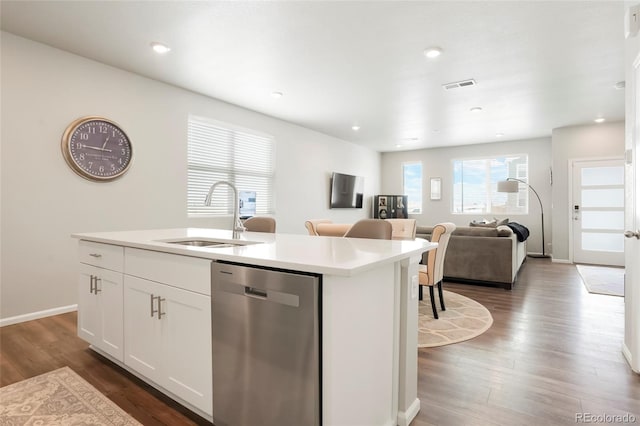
x,y
223,152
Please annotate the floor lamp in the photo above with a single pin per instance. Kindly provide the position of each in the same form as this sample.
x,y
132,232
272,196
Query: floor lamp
x,y
511,185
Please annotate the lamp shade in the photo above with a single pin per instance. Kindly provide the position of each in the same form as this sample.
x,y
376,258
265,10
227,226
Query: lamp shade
x,y
508,186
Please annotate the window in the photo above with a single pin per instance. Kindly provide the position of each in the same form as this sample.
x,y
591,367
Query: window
x,y
219,151
475,184
412,186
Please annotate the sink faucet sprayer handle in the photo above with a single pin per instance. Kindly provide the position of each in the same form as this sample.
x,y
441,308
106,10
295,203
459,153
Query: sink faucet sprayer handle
x,y
237,226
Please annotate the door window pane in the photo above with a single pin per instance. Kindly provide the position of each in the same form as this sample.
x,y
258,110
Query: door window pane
x,y
599,241
602,176
603,197
603,220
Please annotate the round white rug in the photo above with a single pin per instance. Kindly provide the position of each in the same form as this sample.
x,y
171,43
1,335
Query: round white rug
x,y
464,319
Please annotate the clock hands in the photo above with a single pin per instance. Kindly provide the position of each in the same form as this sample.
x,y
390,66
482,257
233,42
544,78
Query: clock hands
x,y
105,142
96,148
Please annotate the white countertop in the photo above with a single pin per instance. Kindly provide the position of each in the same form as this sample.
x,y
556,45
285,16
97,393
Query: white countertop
x,y
323,255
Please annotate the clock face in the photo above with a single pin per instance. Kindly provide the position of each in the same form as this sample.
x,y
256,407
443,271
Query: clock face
x,y
97,149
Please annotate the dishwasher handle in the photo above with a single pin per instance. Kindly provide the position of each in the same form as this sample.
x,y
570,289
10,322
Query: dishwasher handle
x,y
254,292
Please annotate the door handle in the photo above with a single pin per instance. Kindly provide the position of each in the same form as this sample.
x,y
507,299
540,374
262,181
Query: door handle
x,y
632,234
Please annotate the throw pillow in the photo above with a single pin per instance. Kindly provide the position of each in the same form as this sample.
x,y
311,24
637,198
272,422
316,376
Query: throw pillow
x,y
491,224
501,221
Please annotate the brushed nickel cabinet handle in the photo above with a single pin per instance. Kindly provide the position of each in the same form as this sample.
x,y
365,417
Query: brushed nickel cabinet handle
x,y
91,278
160,313
153,311
95,255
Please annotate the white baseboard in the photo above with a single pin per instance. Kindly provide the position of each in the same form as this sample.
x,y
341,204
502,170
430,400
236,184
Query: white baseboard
x,y
554,260
627,354
405,417
37,315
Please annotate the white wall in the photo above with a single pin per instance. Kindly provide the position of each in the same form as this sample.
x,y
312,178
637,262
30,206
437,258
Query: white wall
x,y
43,201
605,140
437,162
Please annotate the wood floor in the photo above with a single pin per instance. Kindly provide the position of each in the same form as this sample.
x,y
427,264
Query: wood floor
x,y
553,352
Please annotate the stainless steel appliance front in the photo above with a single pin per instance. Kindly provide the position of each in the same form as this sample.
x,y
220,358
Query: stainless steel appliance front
x,y
265,347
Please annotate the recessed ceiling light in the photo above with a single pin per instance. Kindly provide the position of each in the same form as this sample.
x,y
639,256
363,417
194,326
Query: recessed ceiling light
x,y
499,135
355,127
398,145
276,95
160,48
432,52
599,120
475,109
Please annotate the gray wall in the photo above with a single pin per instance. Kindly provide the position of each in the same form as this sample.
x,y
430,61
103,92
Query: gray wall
x,y
605,140
42,201
438,162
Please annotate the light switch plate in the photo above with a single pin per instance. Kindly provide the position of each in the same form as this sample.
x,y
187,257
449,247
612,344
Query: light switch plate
x,y
632,21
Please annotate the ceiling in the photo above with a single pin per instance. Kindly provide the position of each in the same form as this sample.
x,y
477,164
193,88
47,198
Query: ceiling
x,y
537,65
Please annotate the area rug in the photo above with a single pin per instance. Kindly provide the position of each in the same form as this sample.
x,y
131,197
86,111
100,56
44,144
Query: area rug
x,y
464,319
59,397
602,279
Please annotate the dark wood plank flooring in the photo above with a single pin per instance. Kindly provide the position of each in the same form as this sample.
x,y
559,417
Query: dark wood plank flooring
x,y
554,351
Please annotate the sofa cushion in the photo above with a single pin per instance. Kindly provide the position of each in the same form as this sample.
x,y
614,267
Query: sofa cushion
x,y
470,231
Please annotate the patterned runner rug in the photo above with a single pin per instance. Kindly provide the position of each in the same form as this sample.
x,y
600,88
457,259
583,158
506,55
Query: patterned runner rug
x,y
59,397
464,319
602,279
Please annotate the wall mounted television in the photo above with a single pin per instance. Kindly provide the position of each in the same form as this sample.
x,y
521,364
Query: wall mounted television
x,y
347,191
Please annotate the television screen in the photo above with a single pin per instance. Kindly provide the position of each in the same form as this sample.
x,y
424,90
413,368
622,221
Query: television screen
x,y
347,191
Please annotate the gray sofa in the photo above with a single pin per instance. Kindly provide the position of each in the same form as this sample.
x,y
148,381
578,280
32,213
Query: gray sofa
x,y
481,255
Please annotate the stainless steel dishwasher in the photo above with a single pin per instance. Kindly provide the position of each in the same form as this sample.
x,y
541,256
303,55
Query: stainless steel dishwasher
x,y
265,346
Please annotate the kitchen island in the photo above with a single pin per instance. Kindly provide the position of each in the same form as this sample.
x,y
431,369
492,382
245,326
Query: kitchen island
x,y
367,300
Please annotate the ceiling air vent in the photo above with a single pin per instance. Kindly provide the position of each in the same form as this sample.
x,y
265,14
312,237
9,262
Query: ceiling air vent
x,y
457,84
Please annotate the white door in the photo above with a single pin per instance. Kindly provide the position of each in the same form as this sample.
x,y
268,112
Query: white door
x,y
631,345
88,308
142,328
100,309
186,324
598,212
108,288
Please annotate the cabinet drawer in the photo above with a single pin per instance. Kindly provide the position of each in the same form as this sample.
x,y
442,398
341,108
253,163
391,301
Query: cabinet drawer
x,y
103,255
189,273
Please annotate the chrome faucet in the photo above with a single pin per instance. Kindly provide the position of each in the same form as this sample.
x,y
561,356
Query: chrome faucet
x,y
237,226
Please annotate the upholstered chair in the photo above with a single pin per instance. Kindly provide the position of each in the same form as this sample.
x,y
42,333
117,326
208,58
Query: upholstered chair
x,y
326,228
432,273
370,228
260,224
403,229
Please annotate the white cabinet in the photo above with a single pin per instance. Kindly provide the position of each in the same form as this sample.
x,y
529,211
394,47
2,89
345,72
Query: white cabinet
x,y
100,319
150,311
168,329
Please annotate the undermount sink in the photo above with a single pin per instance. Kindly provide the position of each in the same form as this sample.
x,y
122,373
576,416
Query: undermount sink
x,y
208,243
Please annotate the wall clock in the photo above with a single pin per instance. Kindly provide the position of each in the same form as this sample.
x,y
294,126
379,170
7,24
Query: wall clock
x,y
97,149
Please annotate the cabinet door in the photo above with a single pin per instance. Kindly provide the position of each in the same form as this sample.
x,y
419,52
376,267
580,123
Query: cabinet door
x,y
142,328
110,298
100,309
186,323
88,307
